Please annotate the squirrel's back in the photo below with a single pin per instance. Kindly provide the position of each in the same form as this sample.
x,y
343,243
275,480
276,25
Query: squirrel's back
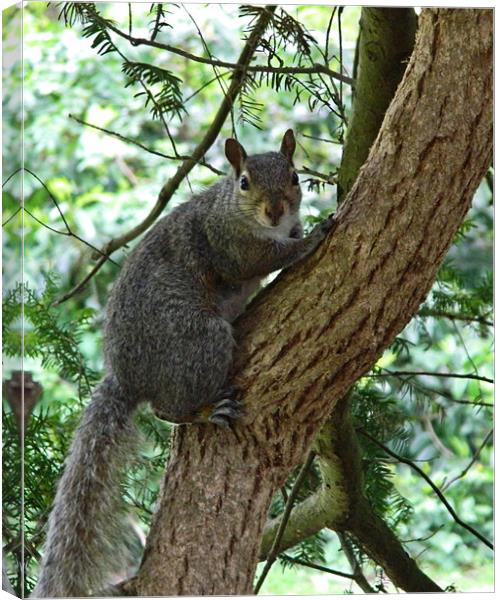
x,y
167,281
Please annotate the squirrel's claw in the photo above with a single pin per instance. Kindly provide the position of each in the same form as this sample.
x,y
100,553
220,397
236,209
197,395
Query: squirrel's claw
x,y
226,408
220,421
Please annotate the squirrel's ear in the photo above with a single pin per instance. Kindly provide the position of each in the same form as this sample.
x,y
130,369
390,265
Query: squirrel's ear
x,y
288,144
235,154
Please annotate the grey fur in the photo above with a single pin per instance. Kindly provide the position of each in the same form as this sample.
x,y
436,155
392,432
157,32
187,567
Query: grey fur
x,y
85,540
169,341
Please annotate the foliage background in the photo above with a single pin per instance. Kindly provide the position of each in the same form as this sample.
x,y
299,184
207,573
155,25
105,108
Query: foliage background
x,y
104,185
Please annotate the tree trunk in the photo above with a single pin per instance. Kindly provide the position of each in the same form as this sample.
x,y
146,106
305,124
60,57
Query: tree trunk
x,y
308,337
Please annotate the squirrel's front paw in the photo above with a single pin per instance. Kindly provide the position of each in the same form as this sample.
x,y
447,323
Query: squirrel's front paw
x,y
328,223
297,232
321,230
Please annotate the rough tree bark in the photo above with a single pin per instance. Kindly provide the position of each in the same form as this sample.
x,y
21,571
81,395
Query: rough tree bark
x,y
320,325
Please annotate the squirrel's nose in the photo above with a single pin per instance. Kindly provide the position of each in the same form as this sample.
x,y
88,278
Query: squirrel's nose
x,y
275,213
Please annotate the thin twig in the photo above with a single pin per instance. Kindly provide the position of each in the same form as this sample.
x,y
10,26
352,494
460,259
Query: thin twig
x,y
358,575
156,28
471,360
320,139
53,229
11,176
473,460
339,20
326,56
424,538
435,488
11,216
82,283
209,82
454,316
69,232
123,138
335,97
143,147
56,203
207,49
435,439
389,373
220,78
427,390
470,402
331,178
273,552
320,97
317,567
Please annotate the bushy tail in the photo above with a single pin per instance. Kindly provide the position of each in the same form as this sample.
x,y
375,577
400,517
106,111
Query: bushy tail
x,y
85,529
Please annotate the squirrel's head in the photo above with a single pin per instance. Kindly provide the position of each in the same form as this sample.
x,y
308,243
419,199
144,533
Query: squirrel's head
x,y
266,186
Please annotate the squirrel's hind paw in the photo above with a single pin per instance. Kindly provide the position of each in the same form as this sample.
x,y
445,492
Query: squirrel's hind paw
x,y
226,408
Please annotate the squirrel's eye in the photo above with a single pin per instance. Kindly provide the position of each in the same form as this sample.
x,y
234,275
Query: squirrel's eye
x,y
295,178
244,184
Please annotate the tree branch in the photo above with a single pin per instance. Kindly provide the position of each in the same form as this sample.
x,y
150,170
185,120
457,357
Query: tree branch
x,y
331,179
317,511
386,40
430,390
317,68
435,488
79,286
358,574
383,547
471,402
322,568
12,216
427,312
205,85
15,172
399,374
156,27
219,77
361,138
340,505
69,232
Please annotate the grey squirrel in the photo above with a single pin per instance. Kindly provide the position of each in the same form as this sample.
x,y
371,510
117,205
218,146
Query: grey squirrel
x,y
169,341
